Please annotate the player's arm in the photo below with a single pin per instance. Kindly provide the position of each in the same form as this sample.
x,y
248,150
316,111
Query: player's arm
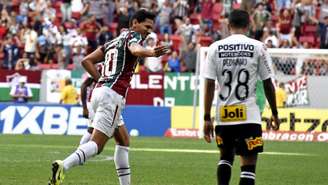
x,y
271,97
84,87
208,99
139,51
266,72
90,60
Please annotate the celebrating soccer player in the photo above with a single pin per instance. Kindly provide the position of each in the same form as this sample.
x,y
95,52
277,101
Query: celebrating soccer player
x,y
108,98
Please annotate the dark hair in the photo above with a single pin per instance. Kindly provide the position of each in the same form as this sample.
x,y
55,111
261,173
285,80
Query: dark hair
x,y
141,15
239,19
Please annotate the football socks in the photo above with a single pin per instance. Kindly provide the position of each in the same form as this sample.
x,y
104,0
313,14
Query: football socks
x,y
121,159
247,175
81,155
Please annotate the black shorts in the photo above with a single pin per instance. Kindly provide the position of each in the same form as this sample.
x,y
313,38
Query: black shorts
x,y
244,139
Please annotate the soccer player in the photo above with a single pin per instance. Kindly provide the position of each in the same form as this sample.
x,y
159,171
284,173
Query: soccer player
x,y
236,62
108,98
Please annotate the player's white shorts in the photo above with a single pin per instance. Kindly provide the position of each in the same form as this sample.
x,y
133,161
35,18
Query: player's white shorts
x,y
107,106
92,115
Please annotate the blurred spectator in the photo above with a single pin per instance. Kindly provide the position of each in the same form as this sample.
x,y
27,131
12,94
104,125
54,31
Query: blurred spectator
x,y
60,56
260,18
153,64
23,12
45,49
164,17
108,10
217,11
95,9
78,44
186,30
268,35
11,53
189,57
123,19
248,5
304,13
68,94
66,10
30,39
180,9
285,44
104,36
21,92
281,95
283,4
167,41
22,64
206,12
78,9
90,28
174,64
324,34
284,26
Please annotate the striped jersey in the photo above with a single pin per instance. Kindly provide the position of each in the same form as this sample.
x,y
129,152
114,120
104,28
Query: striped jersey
x,y
119,64
236,62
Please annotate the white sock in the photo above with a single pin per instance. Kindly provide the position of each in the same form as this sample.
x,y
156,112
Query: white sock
x,y
121,159
81,155
85,138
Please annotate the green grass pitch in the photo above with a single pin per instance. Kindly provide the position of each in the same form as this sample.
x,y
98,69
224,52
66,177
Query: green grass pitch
x,y
26,160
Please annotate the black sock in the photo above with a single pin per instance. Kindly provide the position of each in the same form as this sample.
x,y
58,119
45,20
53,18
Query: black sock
x,y
247,175
224,172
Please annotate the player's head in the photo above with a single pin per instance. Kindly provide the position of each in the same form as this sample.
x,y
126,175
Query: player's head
x,y
143,22
68,81
239,19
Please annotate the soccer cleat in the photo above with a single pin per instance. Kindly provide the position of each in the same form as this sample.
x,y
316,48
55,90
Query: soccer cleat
x,y
57,173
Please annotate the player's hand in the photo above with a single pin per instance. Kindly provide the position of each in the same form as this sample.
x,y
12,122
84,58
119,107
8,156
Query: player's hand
x,y
208,131
160,50
85,113
275,122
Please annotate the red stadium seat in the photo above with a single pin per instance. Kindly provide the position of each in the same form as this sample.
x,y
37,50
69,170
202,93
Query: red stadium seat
x,y
194,18
205,41
310,28
176,39
309,39
113,27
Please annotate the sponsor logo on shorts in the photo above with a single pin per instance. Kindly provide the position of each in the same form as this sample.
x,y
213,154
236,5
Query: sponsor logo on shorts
x,y
219,140
253,143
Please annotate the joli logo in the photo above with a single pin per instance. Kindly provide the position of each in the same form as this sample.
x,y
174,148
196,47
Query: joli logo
x,y
233,113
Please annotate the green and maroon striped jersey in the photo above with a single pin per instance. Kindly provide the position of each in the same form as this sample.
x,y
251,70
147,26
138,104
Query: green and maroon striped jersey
x,y
119,64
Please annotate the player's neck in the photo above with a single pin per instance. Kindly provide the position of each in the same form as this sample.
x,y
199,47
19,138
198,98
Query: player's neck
x,y
237,32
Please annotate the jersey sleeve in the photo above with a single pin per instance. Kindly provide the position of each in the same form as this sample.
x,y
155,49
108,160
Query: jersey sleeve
x,y
265,64
134,37
209,70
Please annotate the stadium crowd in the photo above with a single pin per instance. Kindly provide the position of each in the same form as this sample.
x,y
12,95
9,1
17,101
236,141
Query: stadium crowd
x,y
43,34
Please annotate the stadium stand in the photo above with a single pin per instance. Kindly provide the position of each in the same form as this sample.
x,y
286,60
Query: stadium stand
x,y
60,23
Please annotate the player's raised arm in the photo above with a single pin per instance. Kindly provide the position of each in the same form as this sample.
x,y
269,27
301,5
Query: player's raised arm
x,y
91,59
139,51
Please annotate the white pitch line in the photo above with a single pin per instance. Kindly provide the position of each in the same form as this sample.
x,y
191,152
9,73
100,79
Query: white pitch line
x,y
152,149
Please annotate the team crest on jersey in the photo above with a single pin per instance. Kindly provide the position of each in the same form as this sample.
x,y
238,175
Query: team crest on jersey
x,y
219,140
233,113
253,143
